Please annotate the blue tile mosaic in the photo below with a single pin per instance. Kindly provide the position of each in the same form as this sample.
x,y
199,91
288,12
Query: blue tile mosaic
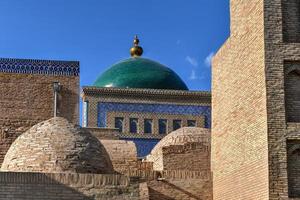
x,y
144,146
104,107
27,66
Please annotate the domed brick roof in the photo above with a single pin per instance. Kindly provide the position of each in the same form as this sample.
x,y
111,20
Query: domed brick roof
x,y
179,137
56,145
137,72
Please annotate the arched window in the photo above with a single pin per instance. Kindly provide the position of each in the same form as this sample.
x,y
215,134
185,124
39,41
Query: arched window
x,y
291,20
293,168
292,96
191,123
148,126
133,125
119,123
162,126
176,124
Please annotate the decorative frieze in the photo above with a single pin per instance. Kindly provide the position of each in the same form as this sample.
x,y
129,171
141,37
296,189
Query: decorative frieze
x,y
28,66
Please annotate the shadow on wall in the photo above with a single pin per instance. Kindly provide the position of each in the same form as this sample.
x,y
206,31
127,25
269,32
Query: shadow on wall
x,y
107,163
40,187
56,186
65,98
156,195
165,190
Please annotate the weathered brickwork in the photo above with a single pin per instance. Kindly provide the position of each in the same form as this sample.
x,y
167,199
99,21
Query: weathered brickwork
x,y
40,186
56,145
122,154
239,121
190,156
180,189
179,137
277,53
252,98
27,96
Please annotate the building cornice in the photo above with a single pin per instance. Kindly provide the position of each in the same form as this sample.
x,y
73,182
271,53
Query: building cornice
x,y
91,90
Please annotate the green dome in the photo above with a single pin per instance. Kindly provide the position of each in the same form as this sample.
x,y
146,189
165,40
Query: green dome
x,y
137,72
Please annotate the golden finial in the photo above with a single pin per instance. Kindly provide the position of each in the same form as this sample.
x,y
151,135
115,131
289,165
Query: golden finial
x,y
136,50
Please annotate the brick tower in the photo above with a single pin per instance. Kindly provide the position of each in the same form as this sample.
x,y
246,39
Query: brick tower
x,y
256,103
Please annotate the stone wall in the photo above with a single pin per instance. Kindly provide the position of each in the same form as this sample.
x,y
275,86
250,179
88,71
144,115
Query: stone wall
x,y
39,186
239,120
191,156
27,97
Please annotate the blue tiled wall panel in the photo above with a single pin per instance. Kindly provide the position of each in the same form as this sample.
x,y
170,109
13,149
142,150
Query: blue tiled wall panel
x,y
24,66
104,107
144,146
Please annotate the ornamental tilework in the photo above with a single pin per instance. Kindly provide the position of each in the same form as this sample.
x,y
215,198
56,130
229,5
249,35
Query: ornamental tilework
x,y
143,146
26,66
105,107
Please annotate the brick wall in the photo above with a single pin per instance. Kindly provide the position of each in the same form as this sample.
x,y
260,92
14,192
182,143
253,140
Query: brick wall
x,y
188,186
278,54
122,154
249,119
178,137
239,121
27,99
38,186
191,156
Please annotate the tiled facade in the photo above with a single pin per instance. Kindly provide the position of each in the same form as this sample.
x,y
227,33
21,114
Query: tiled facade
x,y
107,112
170,120
103,106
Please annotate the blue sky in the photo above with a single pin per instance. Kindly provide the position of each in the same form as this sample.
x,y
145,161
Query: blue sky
x,y
182,34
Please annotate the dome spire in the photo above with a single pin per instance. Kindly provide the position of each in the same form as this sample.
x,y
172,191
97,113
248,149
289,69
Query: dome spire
x,y
136,50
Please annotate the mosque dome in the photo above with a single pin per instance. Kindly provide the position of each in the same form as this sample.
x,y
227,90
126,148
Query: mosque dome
x,y
179,137
56,145
137,72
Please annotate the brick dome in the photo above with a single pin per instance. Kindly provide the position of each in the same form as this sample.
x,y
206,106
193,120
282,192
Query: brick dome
x,y
178,137
56,145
